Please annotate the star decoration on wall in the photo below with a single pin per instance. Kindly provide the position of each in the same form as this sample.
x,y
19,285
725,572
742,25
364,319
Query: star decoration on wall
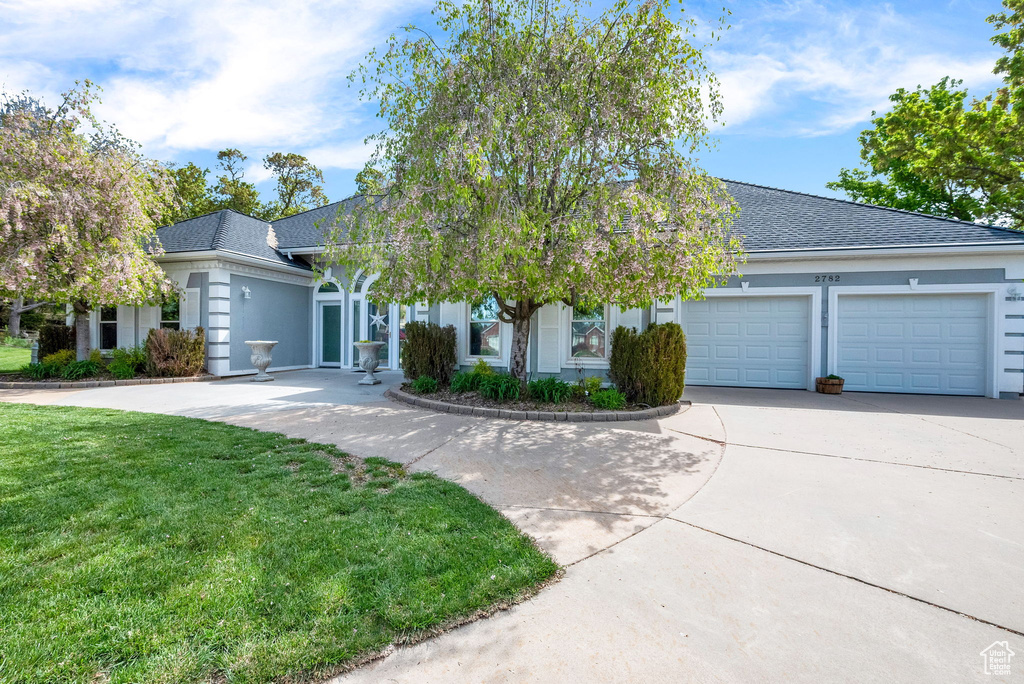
x,y
377,319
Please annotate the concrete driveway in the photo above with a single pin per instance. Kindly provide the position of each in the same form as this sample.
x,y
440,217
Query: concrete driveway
x,y
760,535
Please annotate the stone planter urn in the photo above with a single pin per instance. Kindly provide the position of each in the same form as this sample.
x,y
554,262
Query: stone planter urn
x,y
261,358
369,359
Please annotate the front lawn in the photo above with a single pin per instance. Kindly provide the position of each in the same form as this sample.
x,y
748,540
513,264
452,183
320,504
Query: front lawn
x,y
13,358
137,547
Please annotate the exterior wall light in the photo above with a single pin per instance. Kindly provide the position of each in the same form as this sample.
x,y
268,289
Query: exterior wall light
x,y
246,293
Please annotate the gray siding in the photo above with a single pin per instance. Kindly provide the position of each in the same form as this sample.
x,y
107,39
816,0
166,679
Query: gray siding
x,y
276,311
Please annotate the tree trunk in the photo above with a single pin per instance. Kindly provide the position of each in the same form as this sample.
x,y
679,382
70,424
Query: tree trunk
x,y
14,322
81,310
520,341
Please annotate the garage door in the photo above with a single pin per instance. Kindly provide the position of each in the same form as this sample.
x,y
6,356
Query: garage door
x,y
748,341
920,343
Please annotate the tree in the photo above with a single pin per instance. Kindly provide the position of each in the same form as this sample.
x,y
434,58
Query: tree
x,y
18,307
533,155
194,197
231,190
78,209
939,152
299,184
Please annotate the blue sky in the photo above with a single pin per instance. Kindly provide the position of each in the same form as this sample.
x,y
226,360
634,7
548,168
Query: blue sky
x,y
186,79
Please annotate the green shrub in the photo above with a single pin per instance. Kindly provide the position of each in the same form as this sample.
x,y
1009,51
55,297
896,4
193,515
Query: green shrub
x,y
77,370
60,358
499,387
21,342
96,356
121,370
608,399
40,371
549,390
649,367
55,338
175,353
424,385
464,382
133,357
482,368
429,350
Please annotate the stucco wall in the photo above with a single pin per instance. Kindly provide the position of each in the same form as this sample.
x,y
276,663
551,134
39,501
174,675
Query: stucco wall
x,y
274,311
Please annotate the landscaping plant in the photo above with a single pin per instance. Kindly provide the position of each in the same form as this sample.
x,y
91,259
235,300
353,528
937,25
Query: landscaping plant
x,y
54,338
175,353
429,350
499,387
649,367
608,399
79,370
424,385
60,358
464,382
549,390
41,371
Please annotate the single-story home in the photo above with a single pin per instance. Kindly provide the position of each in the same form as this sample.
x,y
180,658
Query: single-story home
x,y
893,301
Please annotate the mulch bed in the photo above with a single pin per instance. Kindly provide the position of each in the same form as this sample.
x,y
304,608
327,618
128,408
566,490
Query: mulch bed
x,y
474,399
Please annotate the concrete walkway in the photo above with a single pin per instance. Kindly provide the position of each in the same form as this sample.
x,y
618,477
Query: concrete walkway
x,y
759,536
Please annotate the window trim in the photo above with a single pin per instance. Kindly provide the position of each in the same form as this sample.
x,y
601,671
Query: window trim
x,y
100,323
489,358
177,323
570,361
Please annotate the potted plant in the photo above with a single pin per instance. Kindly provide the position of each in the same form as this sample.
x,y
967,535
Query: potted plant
x,y
830,384
369,359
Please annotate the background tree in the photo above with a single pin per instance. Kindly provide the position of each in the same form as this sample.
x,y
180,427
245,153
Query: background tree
x,y
300,184
939,152
533,155
194,196
78,209
232,191
18,307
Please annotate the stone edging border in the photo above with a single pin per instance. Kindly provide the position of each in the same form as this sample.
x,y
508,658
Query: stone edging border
x,y
85,384
397,394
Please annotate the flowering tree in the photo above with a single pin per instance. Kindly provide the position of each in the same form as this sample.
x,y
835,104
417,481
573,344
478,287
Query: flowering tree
x,y
538,155
78,210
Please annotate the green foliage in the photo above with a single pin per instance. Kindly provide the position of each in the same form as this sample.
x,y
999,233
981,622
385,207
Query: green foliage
x,y
132,357
464,382
424,385
549,390
60,358
940,151
41,371
832,376
649,367
608,399
121,370
96,356
20,342
175,353
300,184
482,368
499,387
55,338
79,370
429,350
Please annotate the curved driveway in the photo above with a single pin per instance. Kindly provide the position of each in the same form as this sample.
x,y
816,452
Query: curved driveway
x,y
758,536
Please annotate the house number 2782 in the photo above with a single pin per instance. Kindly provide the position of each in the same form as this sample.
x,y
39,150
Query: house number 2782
x,y
826,279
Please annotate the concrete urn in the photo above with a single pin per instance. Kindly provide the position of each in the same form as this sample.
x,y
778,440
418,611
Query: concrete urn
x,y
261,358
369,359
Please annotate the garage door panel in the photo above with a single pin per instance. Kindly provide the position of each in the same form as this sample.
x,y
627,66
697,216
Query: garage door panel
x,y
753,341
920,343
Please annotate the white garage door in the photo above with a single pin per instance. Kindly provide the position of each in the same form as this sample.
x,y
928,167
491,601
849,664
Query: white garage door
x,y
919,343
748,341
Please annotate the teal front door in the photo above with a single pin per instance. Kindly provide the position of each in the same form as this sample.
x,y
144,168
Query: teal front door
x,y
330,334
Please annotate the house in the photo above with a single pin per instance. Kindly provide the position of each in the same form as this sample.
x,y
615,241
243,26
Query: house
x,y
893,301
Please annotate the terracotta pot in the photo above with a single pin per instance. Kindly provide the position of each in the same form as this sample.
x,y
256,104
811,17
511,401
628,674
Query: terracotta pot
x,y
829,385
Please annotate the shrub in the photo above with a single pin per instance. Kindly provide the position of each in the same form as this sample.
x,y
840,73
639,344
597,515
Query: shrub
x,y
175,353
608,399
60,358
424,385
77,370
22,342
481,368
549,390
96,356
55,338
429,350
649,367
40,371
499,387
121,370
133,357
464,382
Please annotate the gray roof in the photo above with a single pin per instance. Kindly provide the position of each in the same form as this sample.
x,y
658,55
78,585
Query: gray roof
x,y
228,231
771,219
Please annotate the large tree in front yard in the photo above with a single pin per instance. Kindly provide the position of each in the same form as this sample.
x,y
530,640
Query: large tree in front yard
x,y
78,209
537,154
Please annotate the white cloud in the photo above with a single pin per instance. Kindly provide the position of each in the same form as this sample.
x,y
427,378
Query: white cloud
x,y
815,68
352,155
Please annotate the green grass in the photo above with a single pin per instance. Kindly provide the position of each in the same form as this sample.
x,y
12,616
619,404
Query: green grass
x,y
13,358
137,547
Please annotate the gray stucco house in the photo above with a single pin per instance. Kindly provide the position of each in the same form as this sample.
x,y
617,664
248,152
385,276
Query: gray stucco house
x,y
893,301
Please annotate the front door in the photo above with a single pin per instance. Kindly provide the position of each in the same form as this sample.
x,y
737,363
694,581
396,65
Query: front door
x,y
330,334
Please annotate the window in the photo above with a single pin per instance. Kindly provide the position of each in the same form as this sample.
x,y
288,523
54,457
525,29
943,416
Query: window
x,y
329,287
589,330
170,316
108,327
484,328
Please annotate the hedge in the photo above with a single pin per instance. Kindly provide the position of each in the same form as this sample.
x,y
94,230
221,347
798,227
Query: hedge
x,y
649,367
429,350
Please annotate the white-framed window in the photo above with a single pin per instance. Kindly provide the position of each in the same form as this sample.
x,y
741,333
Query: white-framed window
x,y
170,315
588,338
108,327
484,328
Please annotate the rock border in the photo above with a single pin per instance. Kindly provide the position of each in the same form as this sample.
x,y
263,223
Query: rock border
x,y
86,384
397,394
